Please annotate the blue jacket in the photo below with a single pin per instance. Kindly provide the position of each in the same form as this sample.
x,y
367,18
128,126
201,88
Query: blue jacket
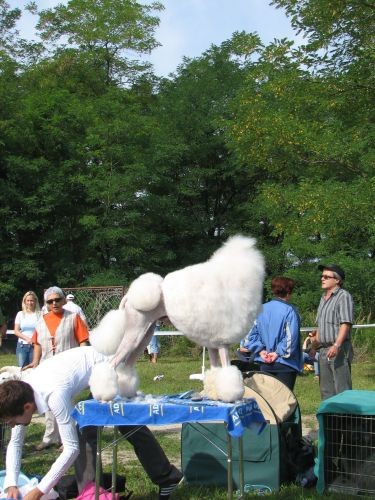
x,y
277,329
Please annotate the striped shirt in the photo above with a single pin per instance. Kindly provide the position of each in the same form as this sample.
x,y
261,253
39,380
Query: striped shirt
x,y
332,313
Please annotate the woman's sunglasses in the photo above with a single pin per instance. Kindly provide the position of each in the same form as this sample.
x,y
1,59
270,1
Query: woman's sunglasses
x,y
54,301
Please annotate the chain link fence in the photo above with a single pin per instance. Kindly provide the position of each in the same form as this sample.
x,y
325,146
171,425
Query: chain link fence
x,y
96,301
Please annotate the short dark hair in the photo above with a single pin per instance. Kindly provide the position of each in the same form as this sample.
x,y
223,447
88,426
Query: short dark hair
x,y
14,394
282,286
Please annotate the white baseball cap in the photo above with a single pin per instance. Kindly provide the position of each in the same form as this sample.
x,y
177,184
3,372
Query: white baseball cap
x,y
70,296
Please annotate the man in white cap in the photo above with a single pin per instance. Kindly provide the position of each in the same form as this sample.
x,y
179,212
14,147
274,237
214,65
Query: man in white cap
x,y
73,307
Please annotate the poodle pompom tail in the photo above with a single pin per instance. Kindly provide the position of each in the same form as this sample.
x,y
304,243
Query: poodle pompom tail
x,y
128,380
144,293
103,382
107,335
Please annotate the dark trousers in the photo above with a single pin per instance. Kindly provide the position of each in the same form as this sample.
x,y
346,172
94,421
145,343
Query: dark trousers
x,y
287,378
146,447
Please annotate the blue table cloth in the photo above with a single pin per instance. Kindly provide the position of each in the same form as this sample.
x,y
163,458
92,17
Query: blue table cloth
x,y
169,409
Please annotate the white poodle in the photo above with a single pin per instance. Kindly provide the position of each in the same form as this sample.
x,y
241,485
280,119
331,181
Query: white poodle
x,y
213,303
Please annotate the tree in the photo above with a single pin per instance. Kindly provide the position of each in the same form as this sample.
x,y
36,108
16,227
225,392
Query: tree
x,y
105,31
194,175
305,122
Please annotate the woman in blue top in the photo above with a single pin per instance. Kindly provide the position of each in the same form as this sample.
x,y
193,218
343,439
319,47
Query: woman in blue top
x,y
275,336
24,326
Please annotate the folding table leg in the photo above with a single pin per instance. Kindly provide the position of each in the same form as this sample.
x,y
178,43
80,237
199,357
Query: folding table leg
x,y
229,466
114,462
240,467
98,466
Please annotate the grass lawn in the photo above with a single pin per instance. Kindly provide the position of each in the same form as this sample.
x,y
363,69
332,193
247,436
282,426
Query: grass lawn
x,y
176,371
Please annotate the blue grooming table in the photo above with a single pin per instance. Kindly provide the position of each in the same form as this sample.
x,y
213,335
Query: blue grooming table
x,y
166,410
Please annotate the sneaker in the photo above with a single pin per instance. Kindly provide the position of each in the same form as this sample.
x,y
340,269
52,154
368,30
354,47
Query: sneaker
x,y
165,491
43,446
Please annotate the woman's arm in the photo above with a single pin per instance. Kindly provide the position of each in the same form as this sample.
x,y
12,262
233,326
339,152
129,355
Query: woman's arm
x,y
18,333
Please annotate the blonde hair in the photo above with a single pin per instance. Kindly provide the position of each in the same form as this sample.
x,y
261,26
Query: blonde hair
x,y
33,294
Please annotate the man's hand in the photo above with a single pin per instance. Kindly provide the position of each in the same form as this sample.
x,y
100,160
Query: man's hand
x,y
12,492
332,352
34,494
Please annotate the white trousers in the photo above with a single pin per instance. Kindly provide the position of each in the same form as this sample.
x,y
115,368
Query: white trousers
x,y
51,434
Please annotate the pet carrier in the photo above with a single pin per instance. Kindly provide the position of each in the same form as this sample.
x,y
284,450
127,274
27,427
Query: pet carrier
x,y
265,456
346,450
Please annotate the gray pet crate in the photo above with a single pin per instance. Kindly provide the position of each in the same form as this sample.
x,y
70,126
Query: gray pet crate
x,y
346,451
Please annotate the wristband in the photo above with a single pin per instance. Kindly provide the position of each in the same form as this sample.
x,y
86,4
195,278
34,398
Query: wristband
x,y
337,345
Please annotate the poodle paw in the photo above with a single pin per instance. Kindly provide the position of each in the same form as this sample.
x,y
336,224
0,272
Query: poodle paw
x,y
103,382
128,381
224,384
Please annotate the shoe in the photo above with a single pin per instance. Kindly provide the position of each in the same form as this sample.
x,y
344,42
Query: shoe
x,y
166,490
43,446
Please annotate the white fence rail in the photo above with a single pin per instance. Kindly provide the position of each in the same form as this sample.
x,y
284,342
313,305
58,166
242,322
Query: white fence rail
x,y
176,332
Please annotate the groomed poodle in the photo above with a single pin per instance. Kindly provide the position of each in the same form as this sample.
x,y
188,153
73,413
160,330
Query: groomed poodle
x,y
213,304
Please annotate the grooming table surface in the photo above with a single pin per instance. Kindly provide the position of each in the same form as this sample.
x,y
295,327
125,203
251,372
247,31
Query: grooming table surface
x,y
170,409
166,410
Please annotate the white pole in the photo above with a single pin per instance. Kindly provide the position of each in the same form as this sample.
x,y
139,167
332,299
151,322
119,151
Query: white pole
x,y
200,376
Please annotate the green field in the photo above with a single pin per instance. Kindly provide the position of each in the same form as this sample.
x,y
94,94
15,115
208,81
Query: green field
x,y
176,371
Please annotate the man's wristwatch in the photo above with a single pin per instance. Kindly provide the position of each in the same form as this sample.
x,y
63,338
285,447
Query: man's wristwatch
x,y
337,345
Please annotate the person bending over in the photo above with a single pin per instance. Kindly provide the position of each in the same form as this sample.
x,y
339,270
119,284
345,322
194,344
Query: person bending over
x,y
52,386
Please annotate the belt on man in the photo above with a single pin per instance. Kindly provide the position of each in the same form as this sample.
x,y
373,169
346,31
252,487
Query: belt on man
x,y
326,344
330,344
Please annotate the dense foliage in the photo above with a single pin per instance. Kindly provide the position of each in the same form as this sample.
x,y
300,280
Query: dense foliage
x,y
107,172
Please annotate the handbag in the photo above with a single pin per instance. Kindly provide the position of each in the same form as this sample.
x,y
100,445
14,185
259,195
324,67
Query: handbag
x,y
88,493
67,486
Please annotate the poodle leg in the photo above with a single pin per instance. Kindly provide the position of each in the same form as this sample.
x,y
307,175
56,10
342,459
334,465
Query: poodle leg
x,y
139,327
226,383
213,355
224,355
137,353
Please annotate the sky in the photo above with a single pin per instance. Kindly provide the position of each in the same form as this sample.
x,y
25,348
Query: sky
x,y
190,27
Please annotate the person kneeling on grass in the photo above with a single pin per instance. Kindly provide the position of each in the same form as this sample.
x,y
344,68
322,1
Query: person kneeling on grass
x,y
52,386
